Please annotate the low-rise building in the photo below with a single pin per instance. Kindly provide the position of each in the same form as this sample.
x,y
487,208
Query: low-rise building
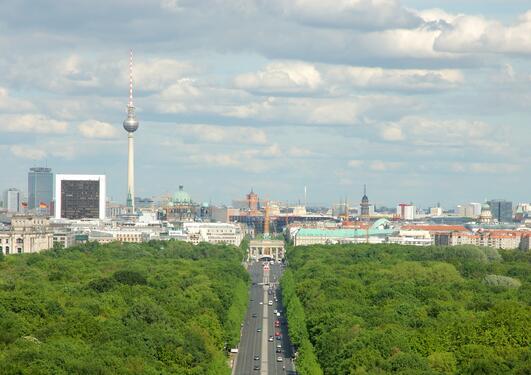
x,y
27,234
231,234
412,237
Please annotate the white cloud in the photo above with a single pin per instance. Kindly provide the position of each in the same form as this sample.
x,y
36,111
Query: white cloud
x,y
97,129
380,165
358,14
12,105
222,134
307,110
392,133
79,74
355,163
171,5
469,34
32,123
485,168
445,133
281,77
375,165
28,152
403,79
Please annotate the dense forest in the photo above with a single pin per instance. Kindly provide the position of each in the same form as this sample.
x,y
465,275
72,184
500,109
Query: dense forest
x,y
156,308
373,309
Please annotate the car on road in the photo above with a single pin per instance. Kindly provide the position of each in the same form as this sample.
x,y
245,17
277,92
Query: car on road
x,y
254,315
271,338
270,303
279,359
256,357
259,329
256,367
277,333
279,337
278,350
261,303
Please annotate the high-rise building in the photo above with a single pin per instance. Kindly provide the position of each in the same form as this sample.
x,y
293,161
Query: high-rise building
x,y
12,200
40,189
501,210
406,211
80,196
130,125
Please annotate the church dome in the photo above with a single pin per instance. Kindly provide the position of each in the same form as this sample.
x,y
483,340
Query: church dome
x,y
181,196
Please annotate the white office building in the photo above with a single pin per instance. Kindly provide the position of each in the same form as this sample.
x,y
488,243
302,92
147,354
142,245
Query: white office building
x,y
79,196
12,200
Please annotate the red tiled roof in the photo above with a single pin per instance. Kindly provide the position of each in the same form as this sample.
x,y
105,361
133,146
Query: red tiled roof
x,y
436,228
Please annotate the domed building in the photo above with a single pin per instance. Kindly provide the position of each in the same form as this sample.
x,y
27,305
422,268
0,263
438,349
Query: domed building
x,y
486,215
181,207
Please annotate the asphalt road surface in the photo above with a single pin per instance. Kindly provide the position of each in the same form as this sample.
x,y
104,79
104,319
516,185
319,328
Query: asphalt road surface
x,y
257,355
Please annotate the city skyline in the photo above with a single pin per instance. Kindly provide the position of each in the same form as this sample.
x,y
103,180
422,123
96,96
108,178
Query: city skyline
x,y
441,116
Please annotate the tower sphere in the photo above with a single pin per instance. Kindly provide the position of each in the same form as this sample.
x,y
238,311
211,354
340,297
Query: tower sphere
x,y
130,124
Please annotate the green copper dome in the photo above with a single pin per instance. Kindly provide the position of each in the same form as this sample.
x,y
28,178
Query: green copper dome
x,y
181,196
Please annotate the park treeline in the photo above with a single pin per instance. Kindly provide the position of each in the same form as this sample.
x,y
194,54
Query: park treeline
x,y
379,309
153,308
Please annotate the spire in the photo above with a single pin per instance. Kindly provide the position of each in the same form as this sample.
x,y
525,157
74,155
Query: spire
x,y
364,189
130,104
130,123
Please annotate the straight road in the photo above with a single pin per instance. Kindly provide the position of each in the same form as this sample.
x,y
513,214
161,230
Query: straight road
x,y
257,354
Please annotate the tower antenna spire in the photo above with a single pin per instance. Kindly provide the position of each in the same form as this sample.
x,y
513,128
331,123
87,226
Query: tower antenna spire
x,y
130,78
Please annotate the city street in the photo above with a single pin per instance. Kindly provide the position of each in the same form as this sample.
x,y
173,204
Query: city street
x,y
258,345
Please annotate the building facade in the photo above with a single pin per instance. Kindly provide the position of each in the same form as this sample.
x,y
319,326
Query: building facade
x,y
406,211
501,210
40,189
27,234
12,200
80,197
266,249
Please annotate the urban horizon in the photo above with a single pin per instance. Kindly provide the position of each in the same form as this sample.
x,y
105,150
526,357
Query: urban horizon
x,y
435,121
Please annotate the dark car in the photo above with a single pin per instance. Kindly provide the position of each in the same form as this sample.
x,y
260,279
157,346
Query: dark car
x,y
254,315
256,367
279,350
279,337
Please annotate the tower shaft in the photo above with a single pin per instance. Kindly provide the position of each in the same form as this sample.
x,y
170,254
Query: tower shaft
x,y
131,172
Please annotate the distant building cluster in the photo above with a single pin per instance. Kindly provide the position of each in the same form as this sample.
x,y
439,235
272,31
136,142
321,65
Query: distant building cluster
x,y
74,208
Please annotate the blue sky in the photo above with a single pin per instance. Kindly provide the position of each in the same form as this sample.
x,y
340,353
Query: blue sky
x,y
424,101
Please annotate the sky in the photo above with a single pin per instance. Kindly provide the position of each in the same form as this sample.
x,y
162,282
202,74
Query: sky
x,y
424,101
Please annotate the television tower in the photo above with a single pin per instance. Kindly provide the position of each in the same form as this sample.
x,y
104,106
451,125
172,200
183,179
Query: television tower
x,y
131,125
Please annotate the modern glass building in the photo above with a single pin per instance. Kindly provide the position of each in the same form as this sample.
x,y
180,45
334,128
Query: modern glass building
x,y
40,188
501,210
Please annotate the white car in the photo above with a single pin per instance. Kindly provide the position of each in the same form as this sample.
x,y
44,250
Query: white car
x,y
270,303
279,359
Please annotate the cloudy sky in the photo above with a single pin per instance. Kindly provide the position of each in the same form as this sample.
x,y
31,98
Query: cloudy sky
x,y
423,100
